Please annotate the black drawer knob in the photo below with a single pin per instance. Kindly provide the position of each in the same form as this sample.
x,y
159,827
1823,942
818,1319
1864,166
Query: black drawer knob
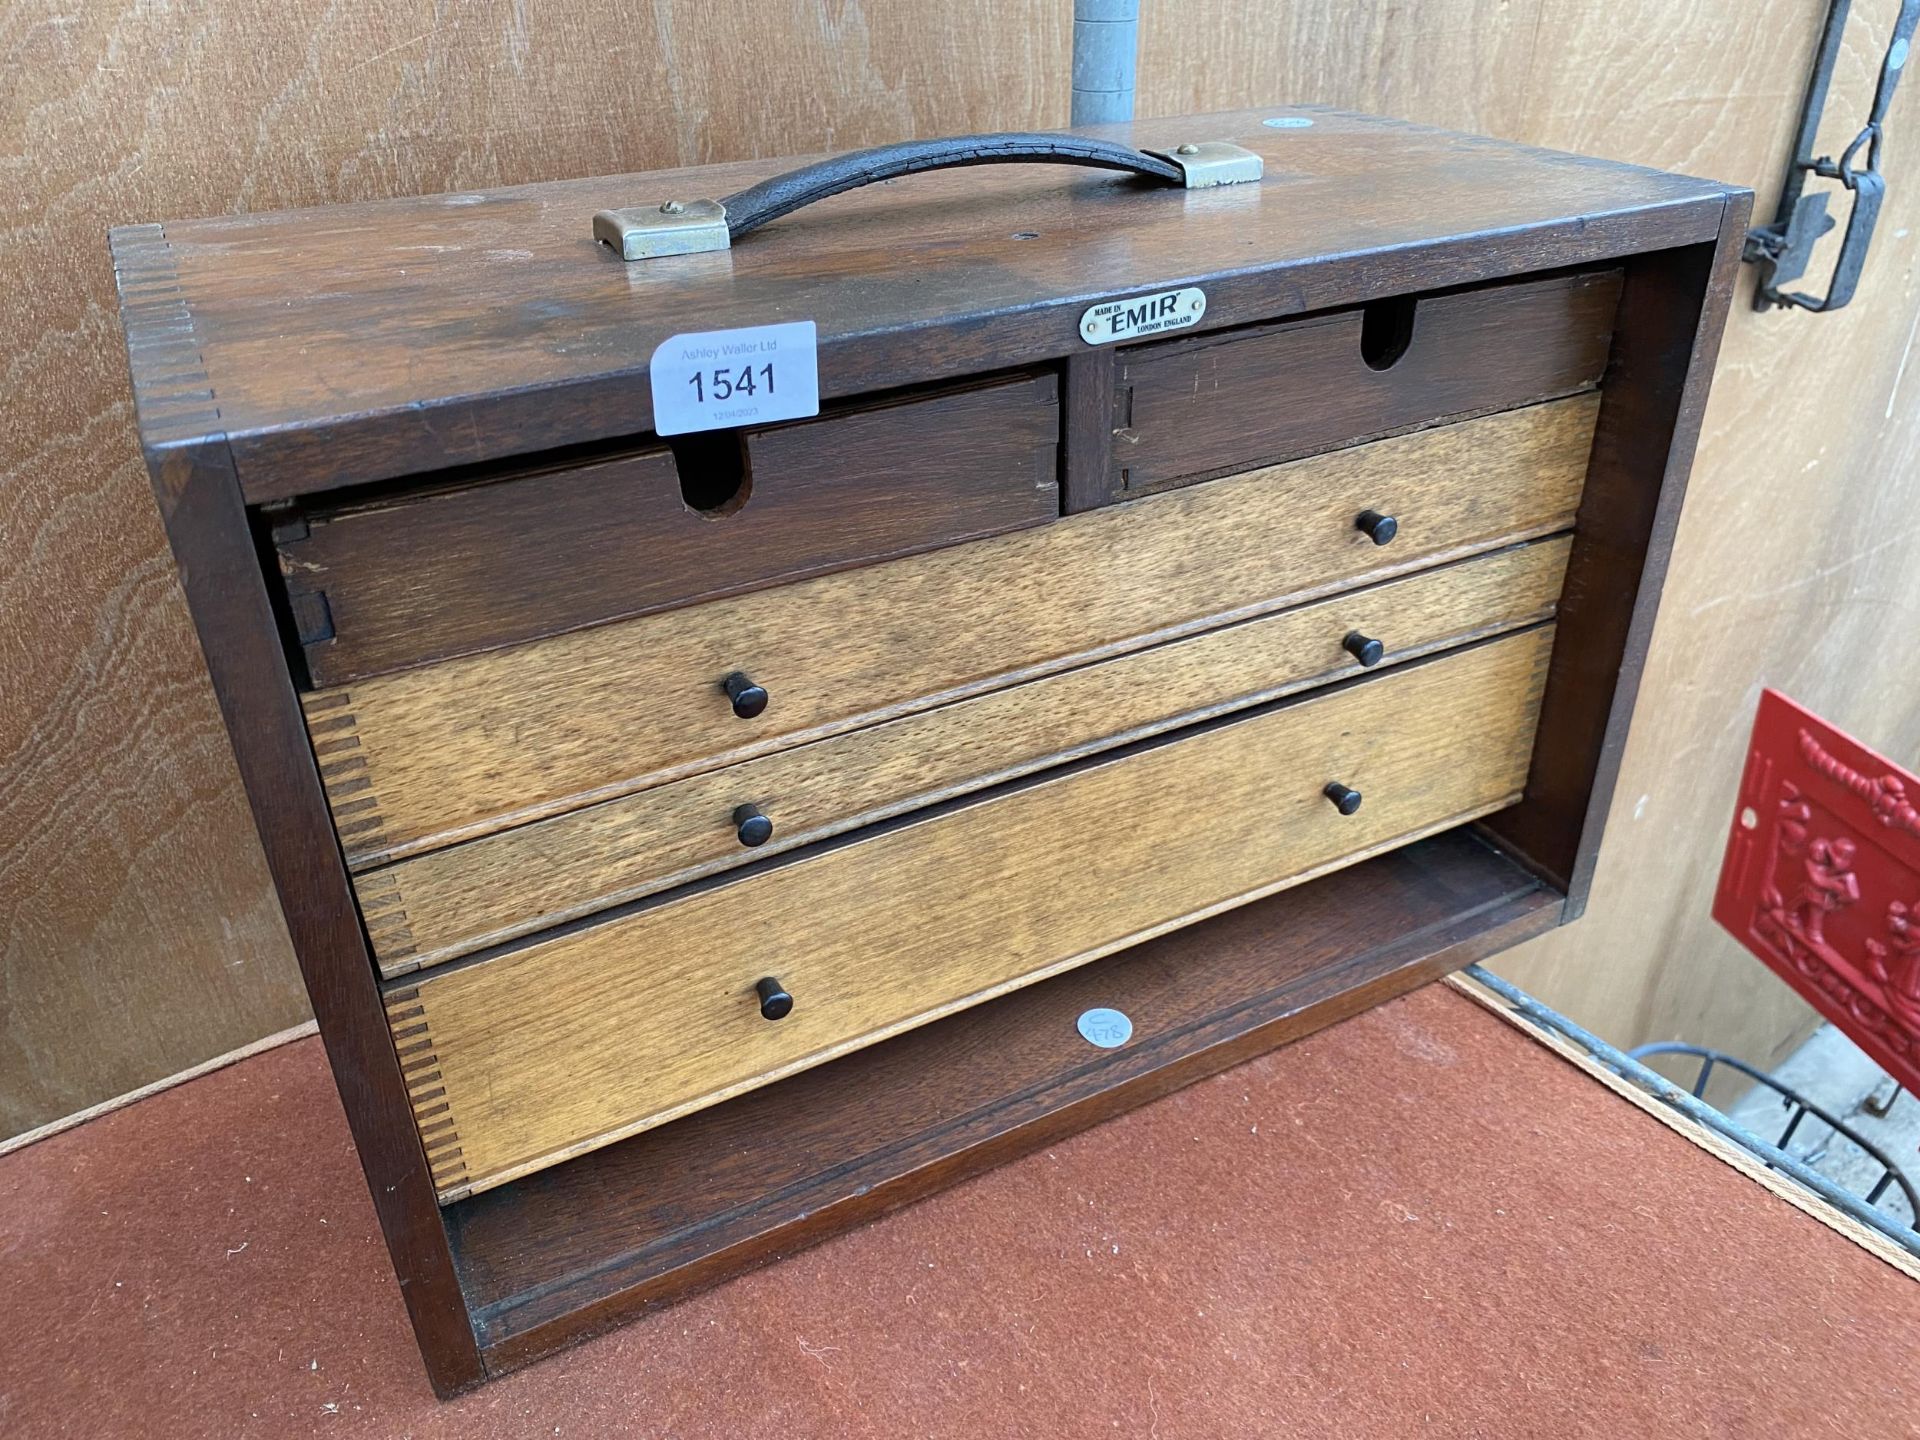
x,y
751,825
775,1002
1378,528
1363,648
1345,800
748,698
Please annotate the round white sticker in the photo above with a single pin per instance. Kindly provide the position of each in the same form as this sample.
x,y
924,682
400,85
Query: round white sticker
x,y
1109,1029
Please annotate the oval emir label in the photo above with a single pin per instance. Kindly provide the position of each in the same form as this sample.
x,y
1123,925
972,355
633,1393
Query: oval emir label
x,y
1113,320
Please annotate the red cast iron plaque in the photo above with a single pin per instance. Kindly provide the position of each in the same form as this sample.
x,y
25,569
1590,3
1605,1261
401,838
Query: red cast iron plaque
x,y
1822,879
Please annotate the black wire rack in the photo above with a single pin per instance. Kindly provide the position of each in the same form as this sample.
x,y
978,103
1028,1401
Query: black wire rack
x,y
1656,1086
1798,1109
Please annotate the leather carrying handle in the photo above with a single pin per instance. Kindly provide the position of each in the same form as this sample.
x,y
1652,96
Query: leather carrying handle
x,y
753,207
687,227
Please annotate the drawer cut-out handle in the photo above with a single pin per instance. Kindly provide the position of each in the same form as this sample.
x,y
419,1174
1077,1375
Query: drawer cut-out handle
x,y
751,825
1345,799
716,473
1386,330
775,1002
747,698
1376,527
689,227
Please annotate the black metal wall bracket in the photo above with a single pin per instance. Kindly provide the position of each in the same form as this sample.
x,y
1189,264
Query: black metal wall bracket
x,y
1784,249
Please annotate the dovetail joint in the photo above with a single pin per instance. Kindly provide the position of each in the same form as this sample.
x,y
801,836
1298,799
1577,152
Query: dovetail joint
x,y
433,1114
334,735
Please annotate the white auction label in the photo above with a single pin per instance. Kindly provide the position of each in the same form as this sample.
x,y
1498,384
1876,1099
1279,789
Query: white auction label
x,y
723,378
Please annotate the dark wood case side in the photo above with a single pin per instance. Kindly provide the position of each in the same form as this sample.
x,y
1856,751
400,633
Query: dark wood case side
x,y
1673,309
220,570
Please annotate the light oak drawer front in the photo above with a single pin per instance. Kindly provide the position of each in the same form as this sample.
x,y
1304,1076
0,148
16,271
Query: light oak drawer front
x,y
522,1059
1187,409
448,569
424,758
434,907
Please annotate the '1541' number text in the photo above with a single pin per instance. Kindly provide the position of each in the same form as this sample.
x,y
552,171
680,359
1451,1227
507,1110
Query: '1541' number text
x,y
724,384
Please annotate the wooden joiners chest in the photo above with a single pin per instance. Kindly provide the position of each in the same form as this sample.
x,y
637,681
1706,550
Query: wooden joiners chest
x,y
665,823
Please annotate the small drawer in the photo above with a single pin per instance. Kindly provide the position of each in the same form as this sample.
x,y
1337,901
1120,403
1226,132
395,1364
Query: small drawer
x,y
429,757
444,570
435,907
1187,410
522,1059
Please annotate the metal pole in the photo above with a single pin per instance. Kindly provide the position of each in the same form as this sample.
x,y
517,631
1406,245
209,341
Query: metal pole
x,y
1105,39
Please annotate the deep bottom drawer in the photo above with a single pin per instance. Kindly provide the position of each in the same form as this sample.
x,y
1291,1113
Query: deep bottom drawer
x,y
525,1058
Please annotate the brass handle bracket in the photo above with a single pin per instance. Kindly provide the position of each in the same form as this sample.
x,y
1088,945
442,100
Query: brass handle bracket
x,y
675,227
1213,162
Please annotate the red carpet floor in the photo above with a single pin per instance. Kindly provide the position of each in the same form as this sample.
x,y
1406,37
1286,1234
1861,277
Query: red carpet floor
x,y
1416,1223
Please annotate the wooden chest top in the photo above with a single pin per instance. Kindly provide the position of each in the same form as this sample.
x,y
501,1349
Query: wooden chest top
x,y
366,341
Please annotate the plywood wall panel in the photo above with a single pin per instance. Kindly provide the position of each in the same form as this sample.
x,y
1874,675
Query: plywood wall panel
x,y
138,934
1794,563
137,931
1460,64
